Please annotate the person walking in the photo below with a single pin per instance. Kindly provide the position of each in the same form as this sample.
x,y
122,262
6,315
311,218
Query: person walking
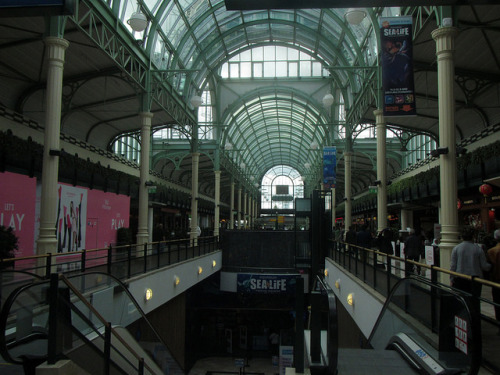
x,y
468,258
364,240
493,256
414,249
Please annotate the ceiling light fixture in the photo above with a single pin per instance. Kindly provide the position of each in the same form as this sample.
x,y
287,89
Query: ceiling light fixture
x,y
196,101
327,100
138,20
355,16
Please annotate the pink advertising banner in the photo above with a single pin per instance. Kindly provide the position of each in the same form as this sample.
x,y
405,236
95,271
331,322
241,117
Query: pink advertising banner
x,y
106,213
17,209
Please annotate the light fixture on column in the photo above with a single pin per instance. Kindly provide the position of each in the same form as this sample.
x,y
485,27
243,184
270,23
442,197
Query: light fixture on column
x,y
328,100
228,146
138,20
447,22
439,151
196,101
307,165
314,145
243,165
355,16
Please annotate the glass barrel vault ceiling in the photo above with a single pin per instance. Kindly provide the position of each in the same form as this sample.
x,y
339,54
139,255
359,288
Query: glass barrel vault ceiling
x,y
271,128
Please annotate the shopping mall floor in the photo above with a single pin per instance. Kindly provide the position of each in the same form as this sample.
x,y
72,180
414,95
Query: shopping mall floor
x,y
226,365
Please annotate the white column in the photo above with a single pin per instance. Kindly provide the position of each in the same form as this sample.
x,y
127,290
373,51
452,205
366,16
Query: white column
x,y
47,240
142,230
406,219
193,234
217,203
245,212
239,208
250,214
231,219
334,211
381,170
445,38
347,194
150,222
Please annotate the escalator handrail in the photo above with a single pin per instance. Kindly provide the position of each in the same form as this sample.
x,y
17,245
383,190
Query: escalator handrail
x,y
332,331
106,324
132,299
474,345
4,314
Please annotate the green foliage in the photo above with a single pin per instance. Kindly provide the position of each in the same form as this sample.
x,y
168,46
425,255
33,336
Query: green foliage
x,y
8,242
123,236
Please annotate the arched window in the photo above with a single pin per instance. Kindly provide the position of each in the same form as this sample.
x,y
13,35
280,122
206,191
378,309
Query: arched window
x,y
280,186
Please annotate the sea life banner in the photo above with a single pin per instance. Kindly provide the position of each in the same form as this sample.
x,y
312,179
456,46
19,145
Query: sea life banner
x,y
397,66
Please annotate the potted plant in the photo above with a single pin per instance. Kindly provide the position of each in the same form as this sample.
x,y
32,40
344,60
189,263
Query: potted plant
x,y
8,244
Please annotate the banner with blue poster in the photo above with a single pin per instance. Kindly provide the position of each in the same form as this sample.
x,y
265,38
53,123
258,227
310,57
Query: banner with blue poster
x,y
266,284
397,66
329,166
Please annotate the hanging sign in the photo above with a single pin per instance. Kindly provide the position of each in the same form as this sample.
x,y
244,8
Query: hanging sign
x,y
329,166
397,66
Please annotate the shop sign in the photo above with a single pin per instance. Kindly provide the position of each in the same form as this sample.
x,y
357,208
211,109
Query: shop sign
x,y
266,284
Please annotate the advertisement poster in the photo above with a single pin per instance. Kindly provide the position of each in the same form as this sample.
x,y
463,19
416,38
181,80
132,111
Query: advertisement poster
x,y
17,209
71,216
397,66
329,166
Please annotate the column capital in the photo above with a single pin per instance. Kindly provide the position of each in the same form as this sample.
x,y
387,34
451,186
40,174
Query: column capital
x,y
444,32
378,112
56,41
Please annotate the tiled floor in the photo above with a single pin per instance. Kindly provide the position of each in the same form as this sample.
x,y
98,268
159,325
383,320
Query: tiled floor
x,y
227,364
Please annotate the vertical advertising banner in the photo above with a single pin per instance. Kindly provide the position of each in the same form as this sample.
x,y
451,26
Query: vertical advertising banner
x,y
329,166
17,209
71,218
397,66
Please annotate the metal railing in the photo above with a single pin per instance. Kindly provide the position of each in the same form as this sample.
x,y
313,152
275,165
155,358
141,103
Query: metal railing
x,y
382,271
123,261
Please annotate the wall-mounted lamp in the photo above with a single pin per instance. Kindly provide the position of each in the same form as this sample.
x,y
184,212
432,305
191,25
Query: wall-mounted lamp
x,y
53,152
148,295
325,272
200,270
439,151
214,263
447,22
176,280
337,284
350,299
461,150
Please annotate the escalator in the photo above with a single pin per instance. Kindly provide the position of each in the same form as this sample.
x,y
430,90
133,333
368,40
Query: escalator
x,y
86,319
401,343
